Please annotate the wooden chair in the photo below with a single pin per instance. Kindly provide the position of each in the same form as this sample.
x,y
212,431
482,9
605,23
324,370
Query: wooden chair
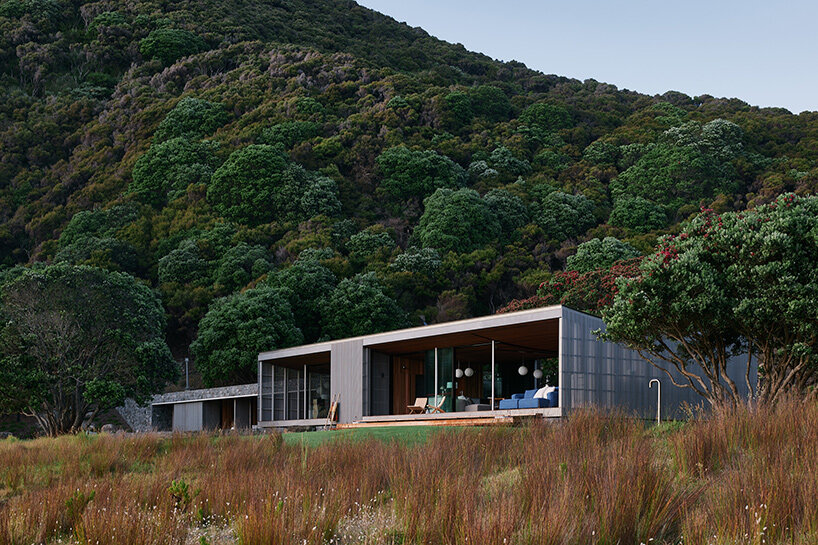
x,y
418,407
439,407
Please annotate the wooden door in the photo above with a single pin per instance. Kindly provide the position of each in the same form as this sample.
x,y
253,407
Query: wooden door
x,y
404,378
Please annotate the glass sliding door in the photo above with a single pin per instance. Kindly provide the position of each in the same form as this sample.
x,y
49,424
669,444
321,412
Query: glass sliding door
x,y
438,377
279,389
318,396
294,393
266,392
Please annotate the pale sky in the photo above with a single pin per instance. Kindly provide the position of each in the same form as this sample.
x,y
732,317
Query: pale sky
x,y
761,52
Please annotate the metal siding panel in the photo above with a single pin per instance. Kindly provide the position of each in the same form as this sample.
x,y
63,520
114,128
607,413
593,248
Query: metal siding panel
x,y
178,417
346,378
194,417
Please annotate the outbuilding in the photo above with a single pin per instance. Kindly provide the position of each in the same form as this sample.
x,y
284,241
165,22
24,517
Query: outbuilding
x,y
227,407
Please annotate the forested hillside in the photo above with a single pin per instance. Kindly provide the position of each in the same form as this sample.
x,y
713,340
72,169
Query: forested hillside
x,y
310,170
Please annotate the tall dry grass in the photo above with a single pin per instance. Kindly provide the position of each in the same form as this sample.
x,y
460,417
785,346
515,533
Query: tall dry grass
x,y
745,477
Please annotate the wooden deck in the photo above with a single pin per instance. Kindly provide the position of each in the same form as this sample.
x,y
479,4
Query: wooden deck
x,y
481,418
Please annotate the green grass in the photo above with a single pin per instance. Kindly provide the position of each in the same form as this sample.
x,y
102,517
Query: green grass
x,y
406,435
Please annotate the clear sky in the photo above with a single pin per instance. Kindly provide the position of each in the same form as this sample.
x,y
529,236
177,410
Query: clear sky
x,y
764,53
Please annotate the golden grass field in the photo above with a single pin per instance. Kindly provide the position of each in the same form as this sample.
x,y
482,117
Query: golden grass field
x,y
746,477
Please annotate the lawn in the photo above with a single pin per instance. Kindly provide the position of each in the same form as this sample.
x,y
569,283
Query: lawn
x,y
407,435
744,477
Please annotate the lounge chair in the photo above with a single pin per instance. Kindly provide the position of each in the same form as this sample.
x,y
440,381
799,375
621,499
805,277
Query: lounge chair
x,y
439,407
419,406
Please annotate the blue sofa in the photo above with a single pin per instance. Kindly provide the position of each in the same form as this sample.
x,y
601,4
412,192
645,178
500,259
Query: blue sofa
x,y
528,401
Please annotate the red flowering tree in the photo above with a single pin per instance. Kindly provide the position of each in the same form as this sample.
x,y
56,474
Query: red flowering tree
x,y
740,283
589,292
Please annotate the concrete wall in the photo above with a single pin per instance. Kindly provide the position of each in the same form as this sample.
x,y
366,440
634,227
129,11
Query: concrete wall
x,y
347,379
604,374
138,417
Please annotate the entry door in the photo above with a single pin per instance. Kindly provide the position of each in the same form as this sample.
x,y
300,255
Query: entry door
x,y
404,380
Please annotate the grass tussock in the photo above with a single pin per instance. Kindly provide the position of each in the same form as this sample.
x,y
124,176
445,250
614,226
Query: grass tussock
x,y
746,477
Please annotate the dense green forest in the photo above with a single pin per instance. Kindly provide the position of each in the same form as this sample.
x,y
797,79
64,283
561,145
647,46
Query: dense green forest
x,y
288,171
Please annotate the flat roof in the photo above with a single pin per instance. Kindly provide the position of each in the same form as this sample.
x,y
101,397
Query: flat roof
x,y
403,338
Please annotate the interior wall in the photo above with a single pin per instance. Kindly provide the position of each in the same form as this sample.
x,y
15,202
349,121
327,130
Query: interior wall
x,y
243,414
227,416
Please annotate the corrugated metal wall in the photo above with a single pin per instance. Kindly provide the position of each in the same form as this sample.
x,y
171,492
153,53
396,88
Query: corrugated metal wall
x,y
187,416
348,370
595,372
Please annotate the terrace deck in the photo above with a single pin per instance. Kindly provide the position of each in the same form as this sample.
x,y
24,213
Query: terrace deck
x,y
482,418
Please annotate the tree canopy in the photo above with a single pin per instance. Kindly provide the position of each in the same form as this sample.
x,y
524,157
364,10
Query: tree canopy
x,y
600,253
410,173
258,184
169,167
360,306
78,340
456,220
562,215
237,327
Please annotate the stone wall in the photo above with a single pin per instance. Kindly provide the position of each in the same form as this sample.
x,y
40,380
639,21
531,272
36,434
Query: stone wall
x,y
208,393
136,416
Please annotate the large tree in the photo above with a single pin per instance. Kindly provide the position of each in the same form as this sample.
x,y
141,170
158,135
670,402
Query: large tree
x,y
600,253
458,221
236,328
78,340
360,306
743,283
409,173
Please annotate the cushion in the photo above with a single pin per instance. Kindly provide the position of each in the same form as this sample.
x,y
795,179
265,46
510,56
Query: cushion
x,y
509,403
541,392
529,394
553,397
517,396
533,403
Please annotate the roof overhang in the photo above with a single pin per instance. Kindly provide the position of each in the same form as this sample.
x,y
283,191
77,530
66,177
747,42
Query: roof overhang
x,y
532,329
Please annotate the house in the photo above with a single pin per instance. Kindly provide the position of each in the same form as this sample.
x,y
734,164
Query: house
x,y
474,370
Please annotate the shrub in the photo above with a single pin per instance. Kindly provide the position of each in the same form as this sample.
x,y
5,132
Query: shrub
x,y
170,44
191,118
